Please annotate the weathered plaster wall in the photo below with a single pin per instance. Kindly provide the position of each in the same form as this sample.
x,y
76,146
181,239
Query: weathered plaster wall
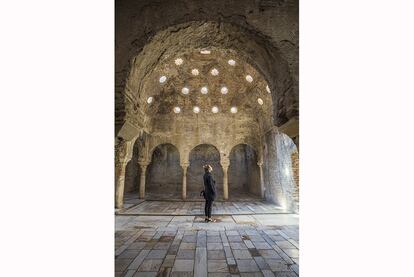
x,y
164,173
199,156
278,173
189,130
243,170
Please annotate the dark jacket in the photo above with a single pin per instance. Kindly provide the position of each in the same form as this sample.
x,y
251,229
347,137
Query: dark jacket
x,y
209,187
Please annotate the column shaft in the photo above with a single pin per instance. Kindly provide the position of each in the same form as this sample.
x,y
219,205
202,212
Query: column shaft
x,y
142,181
225,183
184,188
262,189
119,185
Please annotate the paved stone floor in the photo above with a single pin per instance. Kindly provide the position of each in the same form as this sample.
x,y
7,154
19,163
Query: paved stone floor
x,y
183,245
197,208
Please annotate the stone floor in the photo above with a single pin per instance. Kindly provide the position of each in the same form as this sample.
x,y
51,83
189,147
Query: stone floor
x,y
243,196
183,245
197,208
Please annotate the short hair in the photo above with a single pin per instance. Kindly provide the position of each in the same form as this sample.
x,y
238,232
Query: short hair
x,y
207,168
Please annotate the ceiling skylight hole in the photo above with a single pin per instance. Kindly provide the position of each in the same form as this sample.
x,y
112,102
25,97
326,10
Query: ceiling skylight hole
x,y
150,99
195,72
260,101
204,90
249,78
224,90
163,79
177,109
232,62
205,52
196,109
185,90
233,109
214,72
215,109
267,89
179,61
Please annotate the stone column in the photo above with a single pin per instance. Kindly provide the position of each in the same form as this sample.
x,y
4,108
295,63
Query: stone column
x,y
143,166
184,187
225,164
120,169
262,189
122,157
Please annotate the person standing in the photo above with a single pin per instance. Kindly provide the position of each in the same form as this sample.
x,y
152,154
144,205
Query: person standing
x,y
209,191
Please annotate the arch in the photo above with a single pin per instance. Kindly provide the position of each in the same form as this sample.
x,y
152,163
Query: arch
x,y
172,38
164,173
163,142
244,173
200,155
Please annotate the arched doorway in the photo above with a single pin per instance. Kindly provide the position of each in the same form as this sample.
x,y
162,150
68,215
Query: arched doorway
x,y
200,155
244,173
164,173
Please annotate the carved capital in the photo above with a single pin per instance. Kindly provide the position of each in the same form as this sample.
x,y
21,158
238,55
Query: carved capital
x,y
185,165
143,164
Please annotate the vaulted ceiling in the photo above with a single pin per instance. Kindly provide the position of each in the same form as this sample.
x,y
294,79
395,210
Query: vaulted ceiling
x,y
203,81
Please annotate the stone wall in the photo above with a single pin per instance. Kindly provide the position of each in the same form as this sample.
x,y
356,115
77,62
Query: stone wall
x,y
164,173
243,174
280,170
199,156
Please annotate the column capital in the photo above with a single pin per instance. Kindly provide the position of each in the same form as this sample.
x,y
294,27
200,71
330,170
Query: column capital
x,y
143,163
260,163
225,162
185,165
225,165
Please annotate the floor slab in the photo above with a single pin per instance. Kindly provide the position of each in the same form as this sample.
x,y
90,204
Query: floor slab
x,y
254,244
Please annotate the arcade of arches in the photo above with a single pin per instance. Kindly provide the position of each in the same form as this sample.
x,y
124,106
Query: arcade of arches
x,y
198,86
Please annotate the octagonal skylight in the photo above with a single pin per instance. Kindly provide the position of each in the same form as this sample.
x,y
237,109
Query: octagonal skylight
x,y
249,78
179,61
177,109
196,109
214,72
215,109
204,90
233,109
150,99
232,62
185,90
260,101
163,79
195,72
224,90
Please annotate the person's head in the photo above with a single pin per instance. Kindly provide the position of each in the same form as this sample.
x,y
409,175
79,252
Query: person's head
x,y
208,168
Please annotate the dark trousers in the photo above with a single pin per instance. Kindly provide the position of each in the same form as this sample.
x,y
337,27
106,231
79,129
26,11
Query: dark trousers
x,y
207,209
